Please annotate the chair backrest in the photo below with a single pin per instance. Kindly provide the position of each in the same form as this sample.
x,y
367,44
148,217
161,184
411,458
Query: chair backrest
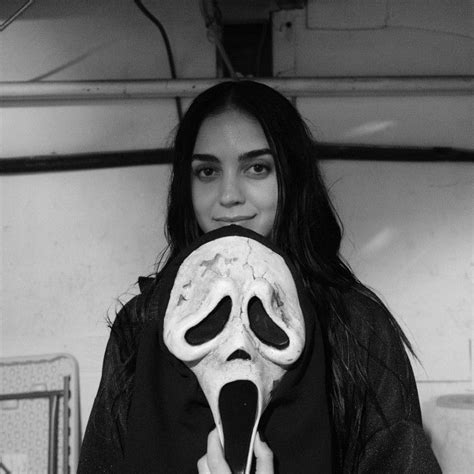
x,y
39,414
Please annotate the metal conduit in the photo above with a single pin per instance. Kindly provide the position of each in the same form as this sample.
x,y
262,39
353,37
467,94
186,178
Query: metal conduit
x,y
294,87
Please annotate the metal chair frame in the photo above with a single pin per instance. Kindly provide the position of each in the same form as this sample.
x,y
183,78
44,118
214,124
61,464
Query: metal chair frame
x,y
53,415
63,400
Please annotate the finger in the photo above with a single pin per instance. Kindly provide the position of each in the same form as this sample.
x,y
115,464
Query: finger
x,y
202,466
215,454
264,456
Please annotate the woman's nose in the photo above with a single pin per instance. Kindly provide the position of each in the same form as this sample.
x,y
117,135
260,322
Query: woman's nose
x,y
231,192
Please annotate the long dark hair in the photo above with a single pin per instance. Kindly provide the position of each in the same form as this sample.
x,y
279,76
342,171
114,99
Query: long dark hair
x,y
304,208
306,228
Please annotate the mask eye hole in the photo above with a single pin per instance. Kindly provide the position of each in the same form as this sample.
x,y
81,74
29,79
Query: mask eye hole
x,y
211,325
264,327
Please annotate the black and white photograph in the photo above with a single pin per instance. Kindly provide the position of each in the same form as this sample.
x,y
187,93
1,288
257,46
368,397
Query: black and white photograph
x,y
237,236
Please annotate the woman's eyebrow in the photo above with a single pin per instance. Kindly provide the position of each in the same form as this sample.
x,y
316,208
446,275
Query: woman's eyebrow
x,y
255,153
248,155
204,157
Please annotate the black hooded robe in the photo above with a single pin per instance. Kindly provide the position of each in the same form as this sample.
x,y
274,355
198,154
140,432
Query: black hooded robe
x,y
168,417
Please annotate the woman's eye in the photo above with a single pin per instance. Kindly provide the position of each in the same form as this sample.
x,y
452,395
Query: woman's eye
x,y
205,173
259,169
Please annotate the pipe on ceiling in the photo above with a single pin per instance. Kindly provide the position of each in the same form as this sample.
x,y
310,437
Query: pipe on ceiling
x,y
294,87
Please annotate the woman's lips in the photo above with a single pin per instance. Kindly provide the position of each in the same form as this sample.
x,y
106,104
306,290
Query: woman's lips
x,y
233,220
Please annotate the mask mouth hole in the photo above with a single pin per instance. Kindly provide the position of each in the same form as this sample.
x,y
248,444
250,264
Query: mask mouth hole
x,y
239,354
238,409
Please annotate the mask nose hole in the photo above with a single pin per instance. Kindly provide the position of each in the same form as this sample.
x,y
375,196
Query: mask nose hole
x,y
239,354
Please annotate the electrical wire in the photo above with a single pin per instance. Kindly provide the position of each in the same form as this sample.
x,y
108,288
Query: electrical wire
x,y
213,22
16,14
387,25
392,27
169,52
430,30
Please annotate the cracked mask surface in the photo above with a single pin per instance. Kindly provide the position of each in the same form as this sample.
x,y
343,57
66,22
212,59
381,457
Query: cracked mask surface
x,y
234,314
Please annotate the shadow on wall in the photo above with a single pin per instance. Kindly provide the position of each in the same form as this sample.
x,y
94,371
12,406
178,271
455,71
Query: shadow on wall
x,y
449,423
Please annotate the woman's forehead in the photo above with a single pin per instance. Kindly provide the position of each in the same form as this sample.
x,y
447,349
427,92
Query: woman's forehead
x,y
230,128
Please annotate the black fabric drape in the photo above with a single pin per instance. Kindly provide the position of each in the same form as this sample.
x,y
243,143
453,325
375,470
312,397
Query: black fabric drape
x,y
170,419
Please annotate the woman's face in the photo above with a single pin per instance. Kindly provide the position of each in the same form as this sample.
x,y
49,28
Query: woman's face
x,y
233,174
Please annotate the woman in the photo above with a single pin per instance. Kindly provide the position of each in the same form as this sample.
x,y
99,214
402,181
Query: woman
x,y
244,156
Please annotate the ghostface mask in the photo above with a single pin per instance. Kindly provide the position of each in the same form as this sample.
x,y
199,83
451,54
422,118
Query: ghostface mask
x,y
223,343
235,320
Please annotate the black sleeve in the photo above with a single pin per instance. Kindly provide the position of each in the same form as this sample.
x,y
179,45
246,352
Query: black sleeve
x,y
393,436
101,450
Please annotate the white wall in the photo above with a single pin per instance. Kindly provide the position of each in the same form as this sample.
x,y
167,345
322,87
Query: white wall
x,y
97,40
358,38
72,242
409,236
375,38
409,226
